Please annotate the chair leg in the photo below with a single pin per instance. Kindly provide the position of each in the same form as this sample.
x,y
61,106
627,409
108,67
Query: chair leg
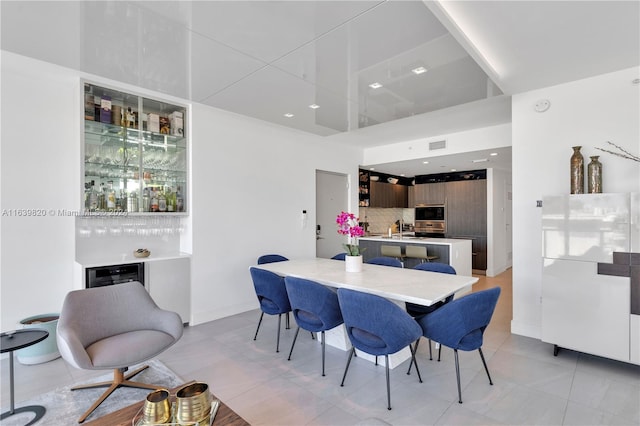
x,y
293,343
413,358
430,354
386,359
119,379
376,359
455,351
258,329
344,376
287,326
485,366
439,350
278,339
323,351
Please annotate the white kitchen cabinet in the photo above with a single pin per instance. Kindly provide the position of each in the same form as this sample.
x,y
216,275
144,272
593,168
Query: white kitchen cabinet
x,y
169,284
586,299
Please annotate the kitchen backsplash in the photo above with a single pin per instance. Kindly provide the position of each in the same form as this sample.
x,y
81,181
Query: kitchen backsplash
x,y
380,219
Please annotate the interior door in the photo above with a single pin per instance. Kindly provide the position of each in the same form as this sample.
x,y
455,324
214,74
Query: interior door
x,y
331,199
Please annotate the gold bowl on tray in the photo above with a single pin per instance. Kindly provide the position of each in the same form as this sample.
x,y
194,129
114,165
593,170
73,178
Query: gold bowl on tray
x,y
193,404
156,408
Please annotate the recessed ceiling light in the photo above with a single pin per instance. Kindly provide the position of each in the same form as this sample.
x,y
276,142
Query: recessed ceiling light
x,y
479,160
425,162
314,106
375,85
493,154
419,70
288,115
453,170
372,168
401,174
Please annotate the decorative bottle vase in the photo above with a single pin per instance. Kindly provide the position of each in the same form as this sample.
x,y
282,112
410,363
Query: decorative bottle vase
x,y
577,171
353,263
594,176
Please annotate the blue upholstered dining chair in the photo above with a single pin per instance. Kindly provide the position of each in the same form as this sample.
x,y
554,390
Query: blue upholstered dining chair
x,y
339,256
315,308
385,261
272,295
270,258
417,311
377,326
461,323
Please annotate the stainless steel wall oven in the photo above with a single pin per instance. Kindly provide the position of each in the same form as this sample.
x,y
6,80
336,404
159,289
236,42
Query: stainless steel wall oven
x,y
430,220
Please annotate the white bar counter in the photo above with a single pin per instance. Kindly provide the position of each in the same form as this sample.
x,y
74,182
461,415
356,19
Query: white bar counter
x,y
460,254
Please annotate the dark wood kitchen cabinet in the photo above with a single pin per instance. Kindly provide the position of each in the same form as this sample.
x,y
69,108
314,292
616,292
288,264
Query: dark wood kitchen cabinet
x,y
467,217
430,193
467,207
387,195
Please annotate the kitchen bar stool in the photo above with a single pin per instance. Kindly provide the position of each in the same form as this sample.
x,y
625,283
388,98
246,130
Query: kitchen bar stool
x,y
392,251
418,252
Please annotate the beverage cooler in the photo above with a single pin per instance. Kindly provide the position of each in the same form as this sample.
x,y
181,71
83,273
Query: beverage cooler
x,y
114,274
591,274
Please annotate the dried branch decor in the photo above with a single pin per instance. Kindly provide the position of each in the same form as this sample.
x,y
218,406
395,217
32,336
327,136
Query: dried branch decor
x,y
624,153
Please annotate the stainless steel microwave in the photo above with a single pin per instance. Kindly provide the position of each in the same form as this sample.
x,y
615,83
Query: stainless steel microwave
x,y
430,212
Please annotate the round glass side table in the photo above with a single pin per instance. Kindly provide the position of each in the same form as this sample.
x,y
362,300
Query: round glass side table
x,y
12,341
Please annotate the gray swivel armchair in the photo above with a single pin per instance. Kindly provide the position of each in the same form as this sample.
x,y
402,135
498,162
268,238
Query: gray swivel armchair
x,y
112,328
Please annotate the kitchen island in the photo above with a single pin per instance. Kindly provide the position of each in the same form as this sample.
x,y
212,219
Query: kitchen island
x,y
455,252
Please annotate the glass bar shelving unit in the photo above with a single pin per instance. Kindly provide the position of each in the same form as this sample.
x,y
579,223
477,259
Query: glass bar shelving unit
x,y
135,153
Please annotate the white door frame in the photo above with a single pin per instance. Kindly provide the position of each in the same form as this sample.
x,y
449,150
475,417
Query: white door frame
x,y
332,197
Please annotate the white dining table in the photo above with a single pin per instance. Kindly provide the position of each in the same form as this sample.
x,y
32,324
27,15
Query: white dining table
x,y
397,284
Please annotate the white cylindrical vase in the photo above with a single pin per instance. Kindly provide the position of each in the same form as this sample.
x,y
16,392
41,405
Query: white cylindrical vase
x,y
353,263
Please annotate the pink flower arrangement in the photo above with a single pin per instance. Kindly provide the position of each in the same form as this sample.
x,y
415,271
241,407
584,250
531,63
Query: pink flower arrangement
x,y
348,225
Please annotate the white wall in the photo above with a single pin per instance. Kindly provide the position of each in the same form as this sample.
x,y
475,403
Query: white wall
x,y
250,182
40,174
586,112
471,140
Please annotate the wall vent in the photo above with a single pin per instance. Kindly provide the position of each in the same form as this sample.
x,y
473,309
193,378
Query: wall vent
x,y
437,145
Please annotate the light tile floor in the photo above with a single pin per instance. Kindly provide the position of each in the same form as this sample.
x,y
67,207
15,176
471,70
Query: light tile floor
x,y
531,386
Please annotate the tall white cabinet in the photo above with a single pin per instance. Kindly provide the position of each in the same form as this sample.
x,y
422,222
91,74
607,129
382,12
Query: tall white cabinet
x,y
587,284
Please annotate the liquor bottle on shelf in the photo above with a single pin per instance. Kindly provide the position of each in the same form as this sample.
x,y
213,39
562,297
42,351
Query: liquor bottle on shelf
x,y
121,201
179,199
130,118
132,202
162,201
171,200
146,201
93,197
96,108
111,197
154,200
102,199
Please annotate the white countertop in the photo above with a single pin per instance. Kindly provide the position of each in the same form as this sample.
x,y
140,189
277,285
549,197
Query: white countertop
x,y
123,259
406,285
414,240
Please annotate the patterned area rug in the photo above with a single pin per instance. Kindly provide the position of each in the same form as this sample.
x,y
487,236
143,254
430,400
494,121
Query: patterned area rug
x,y
64,406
